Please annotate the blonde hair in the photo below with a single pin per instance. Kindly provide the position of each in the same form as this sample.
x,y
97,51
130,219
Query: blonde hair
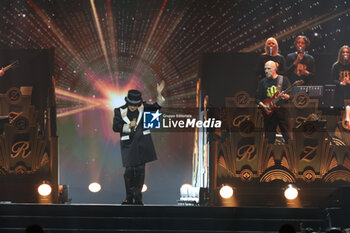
x,y
267,50
340,57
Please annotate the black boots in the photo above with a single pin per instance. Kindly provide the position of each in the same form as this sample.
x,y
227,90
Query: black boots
x,y
134,178
127,202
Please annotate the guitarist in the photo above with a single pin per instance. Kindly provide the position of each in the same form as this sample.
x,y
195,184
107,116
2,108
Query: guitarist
x,y
267,89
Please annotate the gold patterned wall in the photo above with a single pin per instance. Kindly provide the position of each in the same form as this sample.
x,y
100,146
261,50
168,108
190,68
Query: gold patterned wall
x,y
318,155
28,150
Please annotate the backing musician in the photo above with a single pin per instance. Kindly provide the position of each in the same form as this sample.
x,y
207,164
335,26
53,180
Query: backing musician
x,y
267,88
300,64
271,54
341,75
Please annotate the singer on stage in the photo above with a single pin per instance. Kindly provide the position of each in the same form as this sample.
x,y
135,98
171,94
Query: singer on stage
x,y
271,54
300,64
136,143
341,75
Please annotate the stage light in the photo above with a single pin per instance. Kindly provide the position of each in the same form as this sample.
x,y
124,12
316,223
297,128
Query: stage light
x,y
44,189
115,100
186,186
291,192
189,195
226,191
185,190
144,188
94,187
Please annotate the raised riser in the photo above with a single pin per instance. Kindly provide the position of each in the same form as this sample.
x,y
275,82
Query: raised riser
x,y
115,218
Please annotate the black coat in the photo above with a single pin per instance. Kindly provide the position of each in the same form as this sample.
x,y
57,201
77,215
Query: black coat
x,y
138,148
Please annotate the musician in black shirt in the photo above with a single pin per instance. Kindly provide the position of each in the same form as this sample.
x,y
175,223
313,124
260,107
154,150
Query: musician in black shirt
x,y
267,88
341,75
300,64
271,54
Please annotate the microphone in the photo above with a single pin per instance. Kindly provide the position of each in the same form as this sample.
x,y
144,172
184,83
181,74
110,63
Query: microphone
x,y
132,128
300,50
271,51
345,57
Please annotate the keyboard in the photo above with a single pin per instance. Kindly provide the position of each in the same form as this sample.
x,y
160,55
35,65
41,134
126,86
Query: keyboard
x,y
312,91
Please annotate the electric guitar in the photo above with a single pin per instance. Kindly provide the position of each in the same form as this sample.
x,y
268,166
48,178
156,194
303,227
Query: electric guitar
x,y
272,102
346,118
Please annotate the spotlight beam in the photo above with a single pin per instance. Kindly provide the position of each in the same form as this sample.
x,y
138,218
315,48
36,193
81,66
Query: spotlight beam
x,y
73,96
100,35
112,33
49,22
171,31
88,102
150,35
75,111
56,31
153,29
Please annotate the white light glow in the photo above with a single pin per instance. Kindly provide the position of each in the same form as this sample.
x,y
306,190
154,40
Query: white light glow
x,y
186,186
44,190
185,190
291,192
115,100
144,188
226,192
94,187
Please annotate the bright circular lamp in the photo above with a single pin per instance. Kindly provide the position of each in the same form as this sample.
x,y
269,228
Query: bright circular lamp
x,y
185,190
291,192
144,188
94,187
186,186
44,190
226,192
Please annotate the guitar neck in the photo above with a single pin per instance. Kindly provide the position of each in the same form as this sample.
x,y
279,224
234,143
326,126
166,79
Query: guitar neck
x,y
278,98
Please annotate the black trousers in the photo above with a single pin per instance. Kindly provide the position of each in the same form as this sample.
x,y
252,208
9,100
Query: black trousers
x,y
283,118
134,178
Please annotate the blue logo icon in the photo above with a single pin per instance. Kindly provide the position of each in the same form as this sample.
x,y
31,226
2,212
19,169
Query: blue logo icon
x,y
151,120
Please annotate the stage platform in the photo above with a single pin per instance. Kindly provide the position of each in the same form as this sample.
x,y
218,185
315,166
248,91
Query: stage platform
x,y
158,218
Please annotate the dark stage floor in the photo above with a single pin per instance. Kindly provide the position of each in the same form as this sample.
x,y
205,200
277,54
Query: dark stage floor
x,y
162,218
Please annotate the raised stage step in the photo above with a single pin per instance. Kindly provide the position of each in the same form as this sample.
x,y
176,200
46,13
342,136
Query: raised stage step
x,y
132,219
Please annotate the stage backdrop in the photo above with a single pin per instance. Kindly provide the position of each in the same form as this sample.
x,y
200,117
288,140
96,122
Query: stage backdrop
x,y
28,140
317,161
103,48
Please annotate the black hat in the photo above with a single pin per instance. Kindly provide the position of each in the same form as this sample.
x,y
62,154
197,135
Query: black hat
x,y
134,97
